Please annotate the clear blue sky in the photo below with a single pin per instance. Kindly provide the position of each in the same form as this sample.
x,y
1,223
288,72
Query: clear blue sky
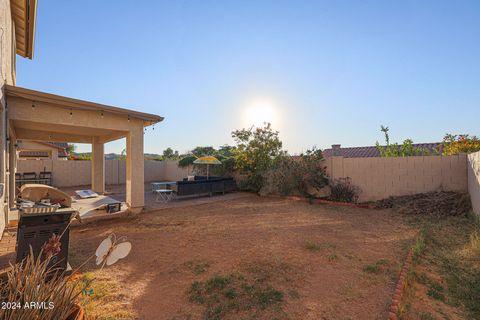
x,y
333,71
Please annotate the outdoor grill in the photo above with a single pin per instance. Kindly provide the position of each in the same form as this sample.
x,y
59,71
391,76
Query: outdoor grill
x,y
34,229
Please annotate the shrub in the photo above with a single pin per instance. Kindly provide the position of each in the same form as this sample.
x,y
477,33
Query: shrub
x,y
344,190
454,144
282,179
295,175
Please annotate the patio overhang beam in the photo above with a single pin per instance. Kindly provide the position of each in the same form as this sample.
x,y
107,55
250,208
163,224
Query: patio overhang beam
x,y
38,135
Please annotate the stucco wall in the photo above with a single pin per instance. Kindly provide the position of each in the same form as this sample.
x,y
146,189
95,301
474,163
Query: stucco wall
x,y
380,178
7,75
473,164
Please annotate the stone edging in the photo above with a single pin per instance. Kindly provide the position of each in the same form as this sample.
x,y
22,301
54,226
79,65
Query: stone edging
x,y
400,288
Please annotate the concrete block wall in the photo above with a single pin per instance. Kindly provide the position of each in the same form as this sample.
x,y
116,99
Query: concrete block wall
x,y
380,178
473,164
174,173
77,173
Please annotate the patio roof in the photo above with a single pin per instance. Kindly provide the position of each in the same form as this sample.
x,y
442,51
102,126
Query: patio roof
x,y
76,104
23,15
36,115
40,116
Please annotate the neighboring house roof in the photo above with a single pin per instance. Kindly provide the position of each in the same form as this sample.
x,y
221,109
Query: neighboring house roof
x,y
371,151
61,146
24,15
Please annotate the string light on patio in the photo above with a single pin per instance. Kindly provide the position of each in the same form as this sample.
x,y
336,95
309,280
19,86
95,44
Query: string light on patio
x,y
33,105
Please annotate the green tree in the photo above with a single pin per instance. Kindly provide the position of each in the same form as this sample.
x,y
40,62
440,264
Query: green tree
x,y
170,154
256,152
203,151
186,160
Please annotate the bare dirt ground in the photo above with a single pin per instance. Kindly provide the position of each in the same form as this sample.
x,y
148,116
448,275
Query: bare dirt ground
x,y
324,262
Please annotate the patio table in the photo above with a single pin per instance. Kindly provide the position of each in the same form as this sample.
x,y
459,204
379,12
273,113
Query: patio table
x,y
162,185
164,195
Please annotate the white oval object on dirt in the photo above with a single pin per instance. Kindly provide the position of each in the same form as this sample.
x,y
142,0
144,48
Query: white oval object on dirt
x,y
111,250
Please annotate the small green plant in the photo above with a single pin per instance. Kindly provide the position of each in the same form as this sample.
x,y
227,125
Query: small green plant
x,y
332,257
198,267
418,247
406,149
222,295
312,246
371,268
376,267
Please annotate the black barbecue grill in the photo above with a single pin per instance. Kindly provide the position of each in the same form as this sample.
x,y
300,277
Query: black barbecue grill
x,y
34,229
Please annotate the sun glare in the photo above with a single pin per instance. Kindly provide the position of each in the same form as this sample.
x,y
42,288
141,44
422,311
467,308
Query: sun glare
x,y
259,112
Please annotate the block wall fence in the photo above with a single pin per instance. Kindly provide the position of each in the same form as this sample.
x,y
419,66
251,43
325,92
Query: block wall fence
x,y
78,173
378,178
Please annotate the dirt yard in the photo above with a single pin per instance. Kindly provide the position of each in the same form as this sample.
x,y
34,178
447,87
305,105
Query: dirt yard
x,y
250,258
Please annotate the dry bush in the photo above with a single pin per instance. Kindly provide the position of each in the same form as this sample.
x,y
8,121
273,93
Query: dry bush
x,y
443,203
344,190
295,175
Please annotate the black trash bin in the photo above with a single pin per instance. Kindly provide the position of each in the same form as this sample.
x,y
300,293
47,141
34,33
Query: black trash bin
x,y
35,229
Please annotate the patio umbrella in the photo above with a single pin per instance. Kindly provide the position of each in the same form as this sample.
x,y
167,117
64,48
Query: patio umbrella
x,y
208,160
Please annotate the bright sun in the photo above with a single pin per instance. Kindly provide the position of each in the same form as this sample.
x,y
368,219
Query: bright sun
x,y
259,112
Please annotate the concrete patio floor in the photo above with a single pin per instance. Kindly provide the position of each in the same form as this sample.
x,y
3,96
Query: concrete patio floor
x,y
118,192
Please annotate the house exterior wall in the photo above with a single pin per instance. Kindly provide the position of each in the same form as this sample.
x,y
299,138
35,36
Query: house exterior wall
x,y
380,178
7,76
473,165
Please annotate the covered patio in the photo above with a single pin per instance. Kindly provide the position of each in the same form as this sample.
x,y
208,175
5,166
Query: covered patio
x,y
39,116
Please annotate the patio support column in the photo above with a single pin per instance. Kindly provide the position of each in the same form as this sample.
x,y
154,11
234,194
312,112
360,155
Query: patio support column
x,y
135,163
98,166
12,165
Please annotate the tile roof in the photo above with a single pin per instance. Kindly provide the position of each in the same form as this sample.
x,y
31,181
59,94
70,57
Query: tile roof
x,y
372,151
61,146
